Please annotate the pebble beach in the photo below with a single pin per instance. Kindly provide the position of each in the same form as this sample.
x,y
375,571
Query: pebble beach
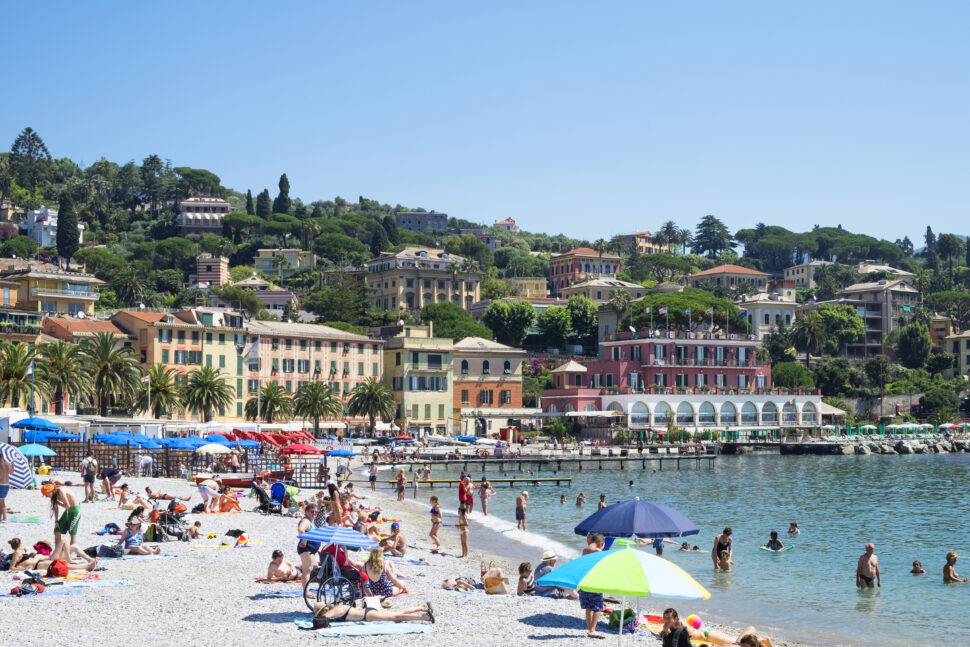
x,y
209,596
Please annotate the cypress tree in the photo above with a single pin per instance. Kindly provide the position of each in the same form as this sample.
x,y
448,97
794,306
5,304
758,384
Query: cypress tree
x,y
282,203
68,237
249,203
263,206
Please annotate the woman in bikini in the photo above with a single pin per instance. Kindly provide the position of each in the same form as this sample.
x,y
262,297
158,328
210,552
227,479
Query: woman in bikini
x,y
382,580
306,549
401,482
462,526
126,503
347,613
161,496
722,542
484,492
21,560
435,524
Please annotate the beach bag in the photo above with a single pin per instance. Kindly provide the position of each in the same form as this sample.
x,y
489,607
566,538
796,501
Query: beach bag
x,y
58,568
629,616
43,548
177,508
112,551
150,533
495,582
199,508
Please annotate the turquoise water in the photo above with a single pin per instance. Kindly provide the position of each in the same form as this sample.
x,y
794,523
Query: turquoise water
x,y
910,507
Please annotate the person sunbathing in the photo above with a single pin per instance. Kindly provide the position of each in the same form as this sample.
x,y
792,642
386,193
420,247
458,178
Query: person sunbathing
x,y
161,496
126,501
21,560
382,579
747,638
133,541
324,613
280,570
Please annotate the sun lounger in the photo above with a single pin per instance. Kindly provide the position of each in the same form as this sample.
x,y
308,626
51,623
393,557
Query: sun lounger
x,y
367,628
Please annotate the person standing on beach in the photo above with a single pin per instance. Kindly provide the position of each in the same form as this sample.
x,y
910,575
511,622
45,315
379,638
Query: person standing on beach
x,y
6,469
461,489
469,494
372,476
306,549
520,506
462,526
414,484
484,491
67,523
723,542
88,470
602,503
592,603
435,524
867,570
401,482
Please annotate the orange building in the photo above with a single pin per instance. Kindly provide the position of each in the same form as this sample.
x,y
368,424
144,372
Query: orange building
x,y
487,386
566,269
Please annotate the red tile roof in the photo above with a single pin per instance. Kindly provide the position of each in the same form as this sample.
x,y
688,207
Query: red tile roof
x,y
730,269
586,251
150,317
75,326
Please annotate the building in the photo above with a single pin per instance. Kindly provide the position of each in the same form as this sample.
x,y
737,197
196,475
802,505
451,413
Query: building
x,y
202,214
187,340
211,270
868,267
540,304
275,298
43,287
582,262
600,289
643,242
767,311
731,276
529,287
420,221
17,324
293,260
884,306
804,274
292,354
416,276
959,345
41,226
418,368
78,330
487,387
9,212
941,327
507,224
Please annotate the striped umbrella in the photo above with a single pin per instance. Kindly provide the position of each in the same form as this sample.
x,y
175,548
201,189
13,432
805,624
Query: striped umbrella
x,y
339,536
23,476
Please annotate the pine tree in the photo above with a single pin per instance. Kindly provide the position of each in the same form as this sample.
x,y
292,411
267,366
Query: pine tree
x,y
378,241
67,233
282,203
712,238
249,203
390,227
930,239
317,212
263,206
30,161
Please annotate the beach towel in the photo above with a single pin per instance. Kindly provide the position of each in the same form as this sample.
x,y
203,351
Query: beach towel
x,y
284,594
69,576
367,628
57,591
263,580
165,556
18,518
246,545
95,584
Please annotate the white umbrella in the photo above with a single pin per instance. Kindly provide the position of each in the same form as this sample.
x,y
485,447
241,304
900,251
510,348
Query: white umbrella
x,y
869,427
213,448
829,427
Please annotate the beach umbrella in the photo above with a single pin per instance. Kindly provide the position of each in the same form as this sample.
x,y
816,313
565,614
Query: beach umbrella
x,y
212,448
340,452
181,443
62,435
111,439
150,444
468,439
36,436
644,519
246,444
339,536
298,448
36,424
36,450
217,438
22,476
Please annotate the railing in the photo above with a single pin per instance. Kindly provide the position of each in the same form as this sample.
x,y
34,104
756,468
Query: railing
x,y
679,363
77,294
661,335
19,330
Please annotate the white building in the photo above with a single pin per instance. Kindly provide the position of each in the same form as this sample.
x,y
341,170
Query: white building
x,y
766,312
41,225
715,411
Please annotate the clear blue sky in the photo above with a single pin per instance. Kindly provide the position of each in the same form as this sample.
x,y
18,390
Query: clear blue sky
x,y
587,118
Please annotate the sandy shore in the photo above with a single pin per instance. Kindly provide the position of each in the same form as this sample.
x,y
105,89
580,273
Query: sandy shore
x,y
208,596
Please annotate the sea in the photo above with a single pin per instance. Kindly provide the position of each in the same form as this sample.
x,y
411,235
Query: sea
x,y
913,507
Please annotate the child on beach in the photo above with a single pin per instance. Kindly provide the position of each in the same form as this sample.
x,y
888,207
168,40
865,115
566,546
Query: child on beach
x,y
527,582
918,568
724,561
195,531
435,524
462,526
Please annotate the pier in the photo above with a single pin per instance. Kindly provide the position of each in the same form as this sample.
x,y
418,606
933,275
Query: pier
x,y
557,464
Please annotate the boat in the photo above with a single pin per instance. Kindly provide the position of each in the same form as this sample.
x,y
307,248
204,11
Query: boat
x,y
245,479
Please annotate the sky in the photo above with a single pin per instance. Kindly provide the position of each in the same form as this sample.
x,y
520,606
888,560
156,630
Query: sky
x,y
584,118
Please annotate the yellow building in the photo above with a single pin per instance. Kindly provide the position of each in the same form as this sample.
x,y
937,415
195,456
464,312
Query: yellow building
x,y
42,287
293,260
416,276
600,289
529,287
644,242
418,368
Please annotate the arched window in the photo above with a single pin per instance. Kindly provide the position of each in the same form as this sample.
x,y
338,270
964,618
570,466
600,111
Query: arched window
x,y
705,415
485,369
749,414
769,413
589,407
729,415
552,409
641,414
508,367
464,367
685,413
567,408
789,413
809,413
661,414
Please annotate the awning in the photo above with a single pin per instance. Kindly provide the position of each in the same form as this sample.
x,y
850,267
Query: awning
x,y
594,414
829,410
332,424
387,426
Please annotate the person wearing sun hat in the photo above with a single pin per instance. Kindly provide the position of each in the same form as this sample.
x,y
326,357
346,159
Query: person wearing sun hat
x,y
549,559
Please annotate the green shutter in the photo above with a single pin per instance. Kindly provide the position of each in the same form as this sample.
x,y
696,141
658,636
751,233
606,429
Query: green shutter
x,y
414,411
374,369
441,412
208,361
239,387
164,356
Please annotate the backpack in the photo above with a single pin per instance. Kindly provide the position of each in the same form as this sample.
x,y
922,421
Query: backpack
x,y
90,467
150,533
110,550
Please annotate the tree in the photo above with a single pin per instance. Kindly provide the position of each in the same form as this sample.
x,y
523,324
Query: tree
x,y
842,325
317,400
939,362
509,320
582,318
250,209
390,227
831,375
791,375
929,239
206,390
166,393
913,347
273,403
61,368
808,335
282,203
831,278
114,369
492,289
955,304
153,180
344,299
620,302
263,205
67,233
378,241
30,161
778,345
19,246
553,325
905,245
712,238
451,320
16,360
939,404
372,399
948,246
878,370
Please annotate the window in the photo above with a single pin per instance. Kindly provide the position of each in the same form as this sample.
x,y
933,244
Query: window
x,y
165,335
427,412
360,348
302,344
508,367
239,388
208,361
485,397
374,369
164,356
414,408
195,336
208,338
289,386
415,356
181,336
346,368
360,368
333,347
303,366
485,368
397,383
252,385
222,361
441,412
767,319
434,362
222,338
464,396
317,345
397,359
506,397
333,368
464,367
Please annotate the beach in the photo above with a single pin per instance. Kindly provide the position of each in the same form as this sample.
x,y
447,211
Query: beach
x,y
208,596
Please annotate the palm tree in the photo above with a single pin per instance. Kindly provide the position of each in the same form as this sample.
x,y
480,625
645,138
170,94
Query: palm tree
x,y
62,370
668,233
15,377
317,400
808,334
166,393
274,403
206,390
684,237
372,398
620,302
114,371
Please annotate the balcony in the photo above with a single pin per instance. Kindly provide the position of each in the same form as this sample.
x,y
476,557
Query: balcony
x,y
92,295
17,329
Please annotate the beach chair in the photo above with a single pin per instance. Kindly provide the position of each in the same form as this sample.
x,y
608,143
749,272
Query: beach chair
x,y
278,493
266,504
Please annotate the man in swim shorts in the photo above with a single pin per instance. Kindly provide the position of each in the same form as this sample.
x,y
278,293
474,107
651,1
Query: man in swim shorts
x,y
209,490
520,505
6,469
109,476
867,574
67,524
280,570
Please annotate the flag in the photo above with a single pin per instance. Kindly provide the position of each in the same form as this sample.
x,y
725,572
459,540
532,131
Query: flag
x,y
30,369
253,350
646,310
742,313
662,311
146,378
687,312
709,311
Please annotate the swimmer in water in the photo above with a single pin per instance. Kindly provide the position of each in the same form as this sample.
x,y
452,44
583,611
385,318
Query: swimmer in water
x,y
918,568
774,543
949,571
631,485
685,547
581,499
793,529
562,499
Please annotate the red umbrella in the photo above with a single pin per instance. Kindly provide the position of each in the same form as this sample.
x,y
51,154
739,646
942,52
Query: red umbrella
x,y
300,449
403,438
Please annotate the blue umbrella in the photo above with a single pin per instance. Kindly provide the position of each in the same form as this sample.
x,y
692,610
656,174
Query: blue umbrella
x,y
34,449
340,452
150,444
63,436
35,424
35,436
468,439
22,476
217,438
182,443
248,444
339,536
115,440
638,518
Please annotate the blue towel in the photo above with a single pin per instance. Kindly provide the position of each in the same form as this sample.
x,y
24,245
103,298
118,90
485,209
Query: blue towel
x,y
380,628
164,556
50,591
